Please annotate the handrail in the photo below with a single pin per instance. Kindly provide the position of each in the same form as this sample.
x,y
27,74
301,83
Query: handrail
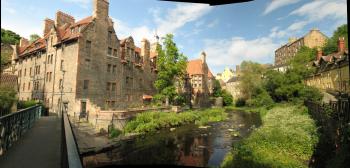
x,y
14,125
70,151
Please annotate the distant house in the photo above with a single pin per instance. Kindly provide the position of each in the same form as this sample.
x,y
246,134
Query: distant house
x,y
232,86
201,80
332,71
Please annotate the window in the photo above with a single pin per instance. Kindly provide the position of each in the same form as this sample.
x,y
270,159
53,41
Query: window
x,y
114,68
24,85
109,37
108,86
60,84
86,84
109,51
25,71
50,76
115,53
88,48
47,76
19,73
51,59
109,67
87,63
113,86
30,71
127,80
61,67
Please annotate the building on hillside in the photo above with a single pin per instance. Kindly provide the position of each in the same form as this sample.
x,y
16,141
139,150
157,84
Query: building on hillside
x,y
226,74
315,38
201,81
332,71
232,85
84,65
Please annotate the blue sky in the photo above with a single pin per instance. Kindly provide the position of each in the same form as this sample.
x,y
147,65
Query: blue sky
x,y
227,33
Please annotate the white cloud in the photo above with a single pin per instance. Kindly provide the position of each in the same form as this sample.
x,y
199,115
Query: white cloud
x,y
138,33
230,52
179,16
293,29
321,9
275,4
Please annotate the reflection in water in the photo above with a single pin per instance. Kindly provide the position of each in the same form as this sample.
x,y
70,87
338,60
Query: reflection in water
x,y
187,145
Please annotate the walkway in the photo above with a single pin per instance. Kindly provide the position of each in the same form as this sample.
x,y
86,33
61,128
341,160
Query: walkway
x,y
40,147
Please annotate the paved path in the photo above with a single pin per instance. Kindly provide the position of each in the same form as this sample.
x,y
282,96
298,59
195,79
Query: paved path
x,y
40,147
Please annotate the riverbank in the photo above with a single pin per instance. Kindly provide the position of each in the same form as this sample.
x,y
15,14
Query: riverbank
x,y
286,139
153,121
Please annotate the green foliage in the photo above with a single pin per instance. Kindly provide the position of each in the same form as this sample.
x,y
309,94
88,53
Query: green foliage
x,y
171,65
7,97
227,98
33,37
261,99
179,100
9,37
217,91
26,104
114,133
300,66
240,102
251,78
331,45
152,121
286,139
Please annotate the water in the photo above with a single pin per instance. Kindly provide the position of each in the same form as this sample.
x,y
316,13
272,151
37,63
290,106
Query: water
x,y
188,145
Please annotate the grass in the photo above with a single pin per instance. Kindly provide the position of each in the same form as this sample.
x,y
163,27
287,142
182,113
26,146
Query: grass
x,y
152,121
286,139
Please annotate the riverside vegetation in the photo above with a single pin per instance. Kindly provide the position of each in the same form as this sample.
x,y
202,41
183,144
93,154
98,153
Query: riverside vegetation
x,y
153,121
288,135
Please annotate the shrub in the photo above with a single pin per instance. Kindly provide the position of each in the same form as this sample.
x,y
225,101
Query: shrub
x,y
227,98
240,102
114,132
310,93
262,99
26,104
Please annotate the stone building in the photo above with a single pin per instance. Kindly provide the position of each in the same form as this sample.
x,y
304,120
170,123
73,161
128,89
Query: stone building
x,y
332,71
232,85
313,39
201,80
226,75
84,65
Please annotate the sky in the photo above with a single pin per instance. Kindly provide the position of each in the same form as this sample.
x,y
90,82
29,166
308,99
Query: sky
x,y
228,34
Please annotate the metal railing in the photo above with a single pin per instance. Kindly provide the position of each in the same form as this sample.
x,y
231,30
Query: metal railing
x,y
70,152
14,125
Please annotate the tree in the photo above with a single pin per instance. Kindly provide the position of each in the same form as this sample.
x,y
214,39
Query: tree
x,y
171,65
331,45
217,92
9,37
7,98
33,38
251,78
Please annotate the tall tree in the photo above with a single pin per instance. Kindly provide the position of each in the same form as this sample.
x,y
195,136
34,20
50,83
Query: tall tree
x,y
33,37
251,78
171,65
9,37
332,43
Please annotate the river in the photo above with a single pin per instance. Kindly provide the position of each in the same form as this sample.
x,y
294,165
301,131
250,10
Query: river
x,y
187,145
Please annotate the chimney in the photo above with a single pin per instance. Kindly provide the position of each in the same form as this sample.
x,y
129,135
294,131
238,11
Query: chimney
x,y
100,10
203,57
48,25
23,42
319,54
63,18
145,50
341,44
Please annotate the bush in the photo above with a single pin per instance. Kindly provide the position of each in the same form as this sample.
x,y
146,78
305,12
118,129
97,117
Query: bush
x,y
7,98
261,100
179,100
26,104
240,102
114,133
310,93
227,98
